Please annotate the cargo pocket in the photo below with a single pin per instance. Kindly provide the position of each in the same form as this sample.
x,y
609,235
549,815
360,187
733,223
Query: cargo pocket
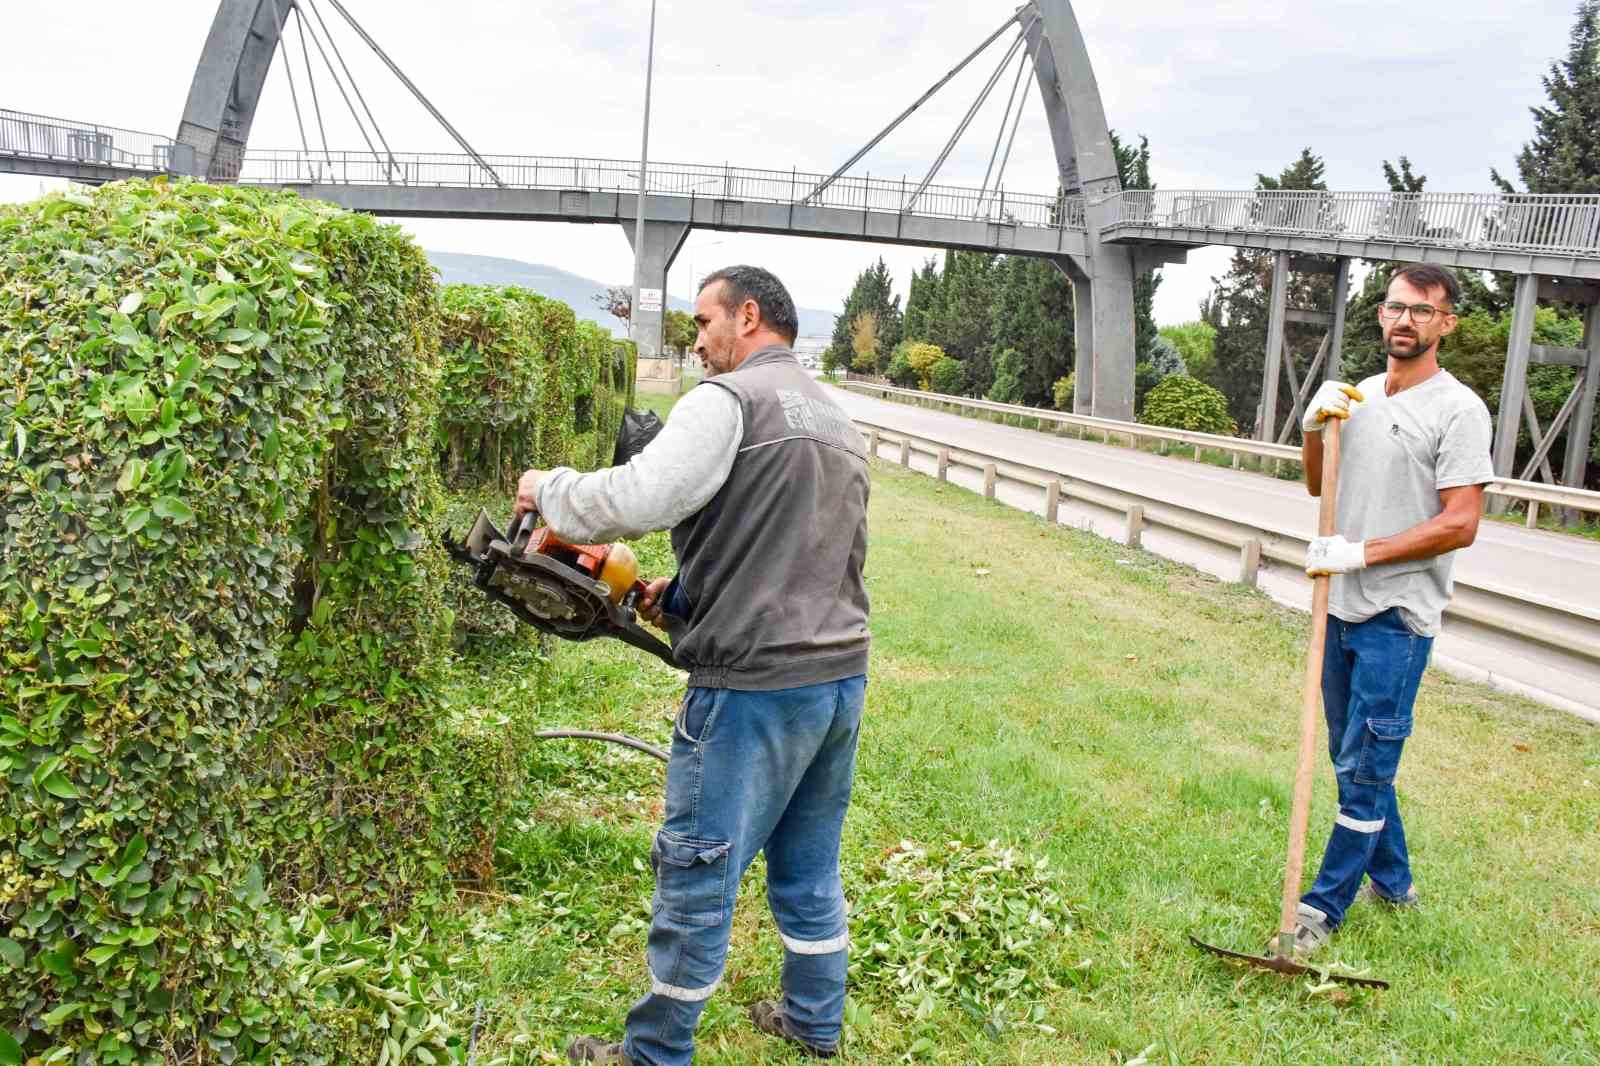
x,y
691,878
1380,750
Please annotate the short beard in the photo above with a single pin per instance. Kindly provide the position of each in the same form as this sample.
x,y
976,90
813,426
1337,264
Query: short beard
x,y
1414,353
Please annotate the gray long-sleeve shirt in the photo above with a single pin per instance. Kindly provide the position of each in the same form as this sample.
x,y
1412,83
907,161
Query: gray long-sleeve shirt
x,y
673,477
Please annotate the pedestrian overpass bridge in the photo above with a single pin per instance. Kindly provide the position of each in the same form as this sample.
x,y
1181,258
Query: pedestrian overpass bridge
x,y
1553,236
1100,235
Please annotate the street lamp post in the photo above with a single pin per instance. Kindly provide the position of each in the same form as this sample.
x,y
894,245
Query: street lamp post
x,y
644,158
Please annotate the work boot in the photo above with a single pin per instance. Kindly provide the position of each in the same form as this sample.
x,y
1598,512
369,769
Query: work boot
x,y
594,1049
1369,892
768,1017
1311,932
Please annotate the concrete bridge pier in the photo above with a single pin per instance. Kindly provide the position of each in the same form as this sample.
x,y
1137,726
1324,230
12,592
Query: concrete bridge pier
x,y
1076,270
662,243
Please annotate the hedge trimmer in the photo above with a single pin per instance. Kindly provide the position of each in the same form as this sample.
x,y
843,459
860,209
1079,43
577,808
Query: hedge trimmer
x,y
571,591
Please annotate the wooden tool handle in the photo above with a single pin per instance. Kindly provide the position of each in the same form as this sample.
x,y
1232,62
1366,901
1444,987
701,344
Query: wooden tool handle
x,y
1310,699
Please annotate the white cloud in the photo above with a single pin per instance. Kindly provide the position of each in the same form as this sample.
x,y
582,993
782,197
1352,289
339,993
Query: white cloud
x,y
1222,89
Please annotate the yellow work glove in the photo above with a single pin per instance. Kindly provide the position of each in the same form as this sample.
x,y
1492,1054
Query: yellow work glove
x,y
1332,400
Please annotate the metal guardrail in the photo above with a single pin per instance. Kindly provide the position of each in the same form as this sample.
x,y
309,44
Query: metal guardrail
x,y
62,140
1520,222
573,173
1521,616
1531,493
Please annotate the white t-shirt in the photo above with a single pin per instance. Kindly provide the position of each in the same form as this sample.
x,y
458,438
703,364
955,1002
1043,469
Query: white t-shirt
x,y
1397,453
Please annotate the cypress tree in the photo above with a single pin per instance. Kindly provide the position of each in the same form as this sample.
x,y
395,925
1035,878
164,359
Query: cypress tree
x,y
1564,155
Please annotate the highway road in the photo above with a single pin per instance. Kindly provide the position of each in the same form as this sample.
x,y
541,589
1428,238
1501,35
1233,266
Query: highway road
x,y
1558,574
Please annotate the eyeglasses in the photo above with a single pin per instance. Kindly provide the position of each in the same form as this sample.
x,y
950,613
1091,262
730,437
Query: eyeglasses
x,y
1421,314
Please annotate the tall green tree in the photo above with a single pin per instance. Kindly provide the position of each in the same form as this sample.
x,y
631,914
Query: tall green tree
x,y
1195,341
1564,155
872,291
1240,308
961,323
678,330
1030,318
922,301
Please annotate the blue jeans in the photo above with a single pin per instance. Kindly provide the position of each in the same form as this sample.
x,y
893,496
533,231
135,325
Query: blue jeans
x,y
751,771
1370,674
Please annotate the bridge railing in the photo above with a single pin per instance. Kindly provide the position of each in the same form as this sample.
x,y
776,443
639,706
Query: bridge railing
x,y
575,173
43,137
1562,224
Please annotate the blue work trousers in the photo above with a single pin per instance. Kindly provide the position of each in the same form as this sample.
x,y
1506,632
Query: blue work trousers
x,y
1370,674
751,772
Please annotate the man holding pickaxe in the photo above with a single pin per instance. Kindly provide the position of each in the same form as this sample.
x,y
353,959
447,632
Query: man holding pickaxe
x,y
1410,489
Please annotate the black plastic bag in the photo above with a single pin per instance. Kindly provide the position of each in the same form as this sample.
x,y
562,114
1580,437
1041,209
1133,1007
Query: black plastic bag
x,y
638,429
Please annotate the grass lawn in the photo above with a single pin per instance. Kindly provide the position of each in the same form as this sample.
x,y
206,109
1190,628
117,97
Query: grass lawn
x,y
1132,723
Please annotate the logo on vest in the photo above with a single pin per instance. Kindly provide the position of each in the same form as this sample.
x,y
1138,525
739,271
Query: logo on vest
x,y
802,414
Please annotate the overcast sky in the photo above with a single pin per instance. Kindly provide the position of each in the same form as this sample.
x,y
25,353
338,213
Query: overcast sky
x,y
1222,89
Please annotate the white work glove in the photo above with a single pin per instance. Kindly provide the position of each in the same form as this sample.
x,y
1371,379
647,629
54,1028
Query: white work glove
x,y
1335,555
1332,400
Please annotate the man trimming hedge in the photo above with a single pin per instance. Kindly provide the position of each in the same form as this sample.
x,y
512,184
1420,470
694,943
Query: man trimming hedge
x,y
763,481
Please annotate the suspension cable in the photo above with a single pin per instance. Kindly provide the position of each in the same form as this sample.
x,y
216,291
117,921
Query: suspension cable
x,y
890,128
288,70
311,77
999,135
966,121
392,164
338,84
1016,121
423,100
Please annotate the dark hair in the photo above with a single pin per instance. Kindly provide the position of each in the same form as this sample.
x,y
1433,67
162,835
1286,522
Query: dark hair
x,y
1426,276
741,283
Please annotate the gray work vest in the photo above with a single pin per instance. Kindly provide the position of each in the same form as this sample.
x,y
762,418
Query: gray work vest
x,y
769,572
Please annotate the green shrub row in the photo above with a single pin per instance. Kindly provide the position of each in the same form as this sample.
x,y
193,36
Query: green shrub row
x,y
494,366
526,384
222,619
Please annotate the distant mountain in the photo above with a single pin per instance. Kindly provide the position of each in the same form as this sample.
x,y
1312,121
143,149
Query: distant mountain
x,y
574,291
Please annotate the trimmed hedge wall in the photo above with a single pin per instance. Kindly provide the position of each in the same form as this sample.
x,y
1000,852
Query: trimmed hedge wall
x,y
525,384
221,616
494,365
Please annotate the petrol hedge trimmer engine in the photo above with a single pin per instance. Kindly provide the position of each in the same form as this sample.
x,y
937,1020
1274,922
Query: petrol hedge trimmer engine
x,y
572,591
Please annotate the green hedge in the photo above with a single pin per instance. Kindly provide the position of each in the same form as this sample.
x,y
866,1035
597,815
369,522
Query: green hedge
x,y
220,617
525,384
493,367
601,393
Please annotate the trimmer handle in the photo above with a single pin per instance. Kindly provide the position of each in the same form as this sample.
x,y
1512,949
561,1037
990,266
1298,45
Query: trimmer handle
x,y
523,527
635,594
